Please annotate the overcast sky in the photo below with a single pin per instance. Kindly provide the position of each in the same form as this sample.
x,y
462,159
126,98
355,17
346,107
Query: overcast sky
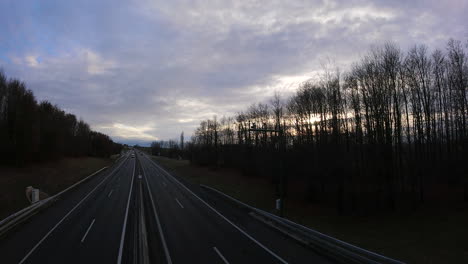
x,y
141,70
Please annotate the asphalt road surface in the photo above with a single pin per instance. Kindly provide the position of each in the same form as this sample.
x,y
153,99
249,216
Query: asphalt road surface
x,y
136,212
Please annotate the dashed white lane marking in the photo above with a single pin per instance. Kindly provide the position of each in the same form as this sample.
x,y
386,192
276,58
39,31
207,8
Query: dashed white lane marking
x,y
87,231
179,203
110,193
218,213
221,255
71,211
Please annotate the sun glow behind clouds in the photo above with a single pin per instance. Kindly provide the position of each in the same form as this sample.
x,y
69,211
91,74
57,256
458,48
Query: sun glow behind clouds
x,y
282,84
31,60
129,132
170,64
96,64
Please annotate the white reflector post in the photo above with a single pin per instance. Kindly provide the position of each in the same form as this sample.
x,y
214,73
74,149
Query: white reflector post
x,y
278,204
35,195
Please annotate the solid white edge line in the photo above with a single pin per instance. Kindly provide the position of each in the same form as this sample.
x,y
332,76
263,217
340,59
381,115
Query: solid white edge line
x,y
87,231
76,184
177,200
124,226
222,216
110,193
73,209
161,235
221,255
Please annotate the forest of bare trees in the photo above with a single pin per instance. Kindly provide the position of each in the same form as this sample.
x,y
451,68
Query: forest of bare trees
x,y
32,131
170,148
389,134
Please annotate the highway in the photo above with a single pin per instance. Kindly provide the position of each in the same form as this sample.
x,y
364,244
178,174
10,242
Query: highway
x,y
136,212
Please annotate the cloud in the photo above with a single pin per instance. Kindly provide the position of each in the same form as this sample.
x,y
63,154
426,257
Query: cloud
x,y
148,69
26,61
96,64
31,60
129,132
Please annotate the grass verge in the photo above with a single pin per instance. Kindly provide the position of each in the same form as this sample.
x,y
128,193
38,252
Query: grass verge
x,y
49,177
427,235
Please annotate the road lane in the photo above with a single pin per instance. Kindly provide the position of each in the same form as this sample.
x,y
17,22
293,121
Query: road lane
x,y
235,249
38,240
137,205
63,245
194,231
154,227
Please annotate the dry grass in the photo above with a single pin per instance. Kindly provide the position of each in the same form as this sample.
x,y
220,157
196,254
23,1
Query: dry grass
x,y
50,177
428,235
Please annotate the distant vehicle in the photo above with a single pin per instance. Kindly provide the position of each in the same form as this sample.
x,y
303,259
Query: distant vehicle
x,y
133,155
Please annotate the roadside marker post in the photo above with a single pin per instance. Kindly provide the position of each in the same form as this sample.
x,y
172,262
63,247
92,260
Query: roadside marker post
x,y
35,196
278,204
281,150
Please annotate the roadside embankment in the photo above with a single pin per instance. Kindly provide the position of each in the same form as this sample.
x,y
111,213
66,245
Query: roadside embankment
x,y
426,235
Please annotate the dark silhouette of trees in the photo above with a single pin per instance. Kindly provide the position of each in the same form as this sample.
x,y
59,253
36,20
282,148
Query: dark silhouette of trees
x,y
387,134
32,131
182,140
170,148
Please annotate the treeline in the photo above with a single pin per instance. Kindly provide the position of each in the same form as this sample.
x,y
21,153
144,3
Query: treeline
x,y
32,131
390,133
169,148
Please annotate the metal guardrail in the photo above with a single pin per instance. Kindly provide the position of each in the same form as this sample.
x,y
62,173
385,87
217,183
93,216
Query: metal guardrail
x,y
335,248
12,216
41,204
10,222
24,214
